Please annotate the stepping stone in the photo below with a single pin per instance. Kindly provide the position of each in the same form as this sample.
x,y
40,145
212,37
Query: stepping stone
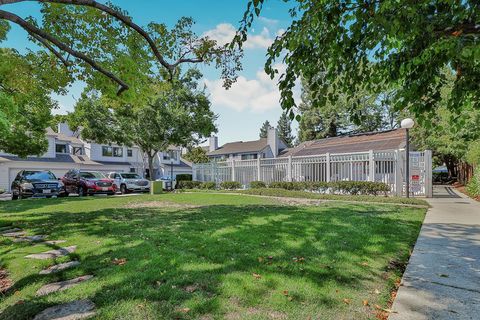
x,y
14,234
62,285
80,309
30,238
60,267
52,253
54,241
10,229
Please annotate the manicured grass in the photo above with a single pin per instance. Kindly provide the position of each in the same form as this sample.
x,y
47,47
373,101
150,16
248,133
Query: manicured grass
x,y
211,256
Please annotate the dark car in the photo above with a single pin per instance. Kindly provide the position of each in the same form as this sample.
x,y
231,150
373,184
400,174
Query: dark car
x,y
29,184
88,183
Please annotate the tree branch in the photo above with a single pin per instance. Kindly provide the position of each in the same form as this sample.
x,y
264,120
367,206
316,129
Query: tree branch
x,y
50,48
31,29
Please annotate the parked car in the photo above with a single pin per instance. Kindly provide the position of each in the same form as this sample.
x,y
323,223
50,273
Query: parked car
x,y
88,183
29,183
129,182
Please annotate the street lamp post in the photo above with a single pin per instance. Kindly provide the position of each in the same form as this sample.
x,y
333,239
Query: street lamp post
x,y
171,175
407,124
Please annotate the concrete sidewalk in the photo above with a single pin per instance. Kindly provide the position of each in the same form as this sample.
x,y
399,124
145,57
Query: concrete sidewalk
x,y
442,280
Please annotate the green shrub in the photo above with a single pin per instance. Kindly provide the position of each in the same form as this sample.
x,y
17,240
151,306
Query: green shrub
x,y
473,186
210,185
230,185
188,184
184,177
257,184
2,191
335,187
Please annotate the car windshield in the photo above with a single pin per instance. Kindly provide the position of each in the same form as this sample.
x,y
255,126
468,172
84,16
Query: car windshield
x,y
39,175
91,175
130,176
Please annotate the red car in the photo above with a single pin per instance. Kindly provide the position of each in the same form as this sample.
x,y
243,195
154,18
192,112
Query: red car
x,y
88,183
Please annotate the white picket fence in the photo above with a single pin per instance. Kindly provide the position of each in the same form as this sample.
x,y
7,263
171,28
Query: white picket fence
x,y
382,166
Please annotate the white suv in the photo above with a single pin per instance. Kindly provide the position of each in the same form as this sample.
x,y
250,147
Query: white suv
x,y
129,182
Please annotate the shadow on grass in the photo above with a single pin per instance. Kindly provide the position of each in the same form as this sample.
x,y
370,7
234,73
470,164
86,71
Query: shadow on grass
x,y
204,258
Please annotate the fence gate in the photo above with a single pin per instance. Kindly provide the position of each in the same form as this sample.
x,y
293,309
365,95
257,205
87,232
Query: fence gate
x,y
381,166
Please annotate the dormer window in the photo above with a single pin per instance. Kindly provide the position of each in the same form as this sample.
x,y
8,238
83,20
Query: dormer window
x,y
61,148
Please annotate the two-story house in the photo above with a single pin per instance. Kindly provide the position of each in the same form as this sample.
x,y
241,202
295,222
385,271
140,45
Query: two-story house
x,y
66,150
269,147
170,163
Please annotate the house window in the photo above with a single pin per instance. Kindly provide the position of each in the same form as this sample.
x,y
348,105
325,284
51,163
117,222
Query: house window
x,y
61,148
78,151
107,151
117,152
251,156
132,170
170,155
129,153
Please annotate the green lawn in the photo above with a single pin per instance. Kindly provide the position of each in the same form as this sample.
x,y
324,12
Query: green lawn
x,y
211,256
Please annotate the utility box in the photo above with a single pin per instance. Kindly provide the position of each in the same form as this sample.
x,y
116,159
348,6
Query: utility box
x,y
156,187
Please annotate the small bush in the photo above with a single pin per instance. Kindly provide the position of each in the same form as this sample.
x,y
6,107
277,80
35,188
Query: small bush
x,y
188,184
230,185
257,184
210,185
473,186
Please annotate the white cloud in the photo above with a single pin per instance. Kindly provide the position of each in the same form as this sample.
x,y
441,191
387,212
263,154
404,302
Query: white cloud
x,y
268,22
225,32
256,95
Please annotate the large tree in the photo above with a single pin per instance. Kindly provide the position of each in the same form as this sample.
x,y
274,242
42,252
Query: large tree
x,y
89,31
377,45
178,113
264,129
284,127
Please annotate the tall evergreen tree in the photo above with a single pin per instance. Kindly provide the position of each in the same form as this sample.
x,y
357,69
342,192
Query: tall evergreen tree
x,y
264,129
284,127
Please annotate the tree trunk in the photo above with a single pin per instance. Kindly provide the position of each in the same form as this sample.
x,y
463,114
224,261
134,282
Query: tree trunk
x,y
151,157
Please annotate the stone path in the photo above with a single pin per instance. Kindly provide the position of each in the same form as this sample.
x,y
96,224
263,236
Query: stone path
x,y
80,309
60,267
52,253
62,285
442,279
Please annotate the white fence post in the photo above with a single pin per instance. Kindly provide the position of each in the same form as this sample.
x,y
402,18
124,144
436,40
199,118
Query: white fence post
x,y
428,174
259,172
233,170
327,160
371,166
398,174
289,169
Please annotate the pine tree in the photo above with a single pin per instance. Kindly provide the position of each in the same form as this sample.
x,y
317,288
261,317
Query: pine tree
x,y
284,127
264,129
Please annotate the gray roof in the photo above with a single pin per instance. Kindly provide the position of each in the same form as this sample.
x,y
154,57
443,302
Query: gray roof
x,y
58,158
240,147
376,141
183,164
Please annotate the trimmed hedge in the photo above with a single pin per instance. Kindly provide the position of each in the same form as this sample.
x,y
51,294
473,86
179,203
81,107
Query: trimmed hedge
x,y
186,184
230,185
257,184
208,185
335,187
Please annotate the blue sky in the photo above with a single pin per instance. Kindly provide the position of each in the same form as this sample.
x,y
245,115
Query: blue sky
x,y
251,101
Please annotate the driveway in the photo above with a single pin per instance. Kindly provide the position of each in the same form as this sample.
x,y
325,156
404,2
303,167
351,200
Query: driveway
x,y
442,279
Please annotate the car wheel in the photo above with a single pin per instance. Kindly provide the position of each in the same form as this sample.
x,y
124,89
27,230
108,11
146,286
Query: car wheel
x,y
14,196
80,191
123,189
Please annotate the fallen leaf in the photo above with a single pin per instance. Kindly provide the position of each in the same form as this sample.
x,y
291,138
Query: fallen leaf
x,y
285,292
191,288
119,262
365,264
365,303
347,301
184,310
290,298
256,275
260,259
377,291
